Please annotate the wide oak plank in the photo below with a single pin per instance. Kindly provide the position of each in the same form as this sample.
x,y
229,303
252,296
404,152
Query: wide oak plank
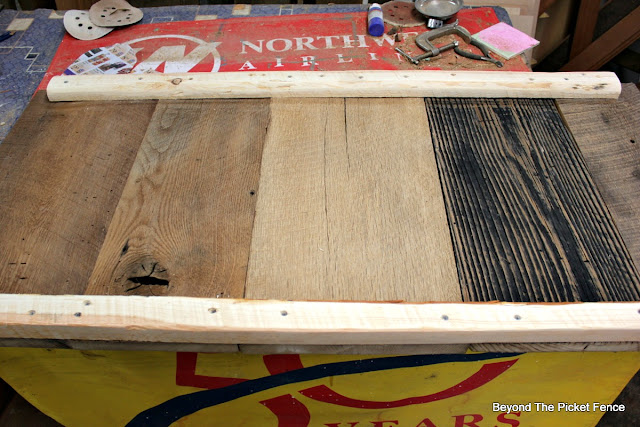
x,y
183,223
62,170
350,205
608,134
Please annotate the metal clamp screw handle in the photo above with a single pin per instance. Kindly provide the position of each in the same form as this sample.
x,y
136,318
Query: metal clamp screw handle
x,y
416,59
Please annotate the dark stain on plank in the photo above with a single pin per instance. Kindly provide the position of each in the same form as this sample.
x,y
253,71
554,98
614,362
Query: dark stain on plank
x,y
527,222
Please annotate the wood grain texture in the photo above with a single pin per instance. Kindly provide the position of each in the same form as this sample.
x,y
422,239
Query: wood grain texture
x,y
354,349
608,134
556,346
241,321
183,223
62,171
335,84
527,221
118,345
350,206
150,346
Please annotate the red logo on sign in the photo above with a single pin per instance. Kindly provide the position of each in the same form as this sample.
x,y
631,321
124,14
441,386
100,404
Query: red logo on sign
x,y
292,413
176,54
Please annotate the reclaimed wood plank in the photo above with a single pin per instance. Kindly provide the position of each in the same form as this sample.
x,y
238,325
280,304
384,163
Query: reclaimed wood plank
x,y
62,171
289,248
183,223
608,134
350,205
527,221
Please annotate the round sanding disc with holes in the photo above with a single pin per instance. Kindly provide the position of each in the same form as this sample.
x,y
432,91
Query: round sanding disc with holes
x,y
78,24
402,14
114,13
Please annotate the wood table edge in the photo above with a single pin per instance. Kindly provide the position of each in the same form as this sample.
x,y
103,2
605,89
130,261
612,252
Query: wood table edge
x,y
178,321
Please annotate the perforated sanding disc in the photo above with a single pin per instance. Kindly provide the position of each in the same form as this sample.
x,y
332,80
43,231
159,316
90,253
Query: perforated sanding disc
x,y
402,14
114,13
78,24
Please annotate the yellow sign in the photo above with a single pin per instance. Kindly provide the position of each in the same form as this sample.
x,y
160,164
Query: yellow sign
x,y
111,388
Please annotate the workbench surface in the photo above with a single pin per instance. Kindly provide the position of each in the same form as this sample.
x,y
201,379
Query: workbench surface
x,y
314,199
413,200
338,199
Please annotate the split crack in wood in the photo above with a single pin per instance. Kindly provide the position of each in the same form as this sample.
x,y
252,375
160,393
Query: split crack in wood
x,y
125,248
148,280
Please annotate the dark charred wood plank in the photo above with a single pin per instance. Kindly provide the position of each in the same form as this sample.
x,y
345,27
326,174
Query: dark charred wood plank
x,y
527,221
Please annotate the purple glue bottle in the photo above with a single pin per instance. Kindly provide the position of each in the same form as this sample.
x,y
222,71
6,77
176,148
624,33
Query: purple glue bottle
x,y
375,23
